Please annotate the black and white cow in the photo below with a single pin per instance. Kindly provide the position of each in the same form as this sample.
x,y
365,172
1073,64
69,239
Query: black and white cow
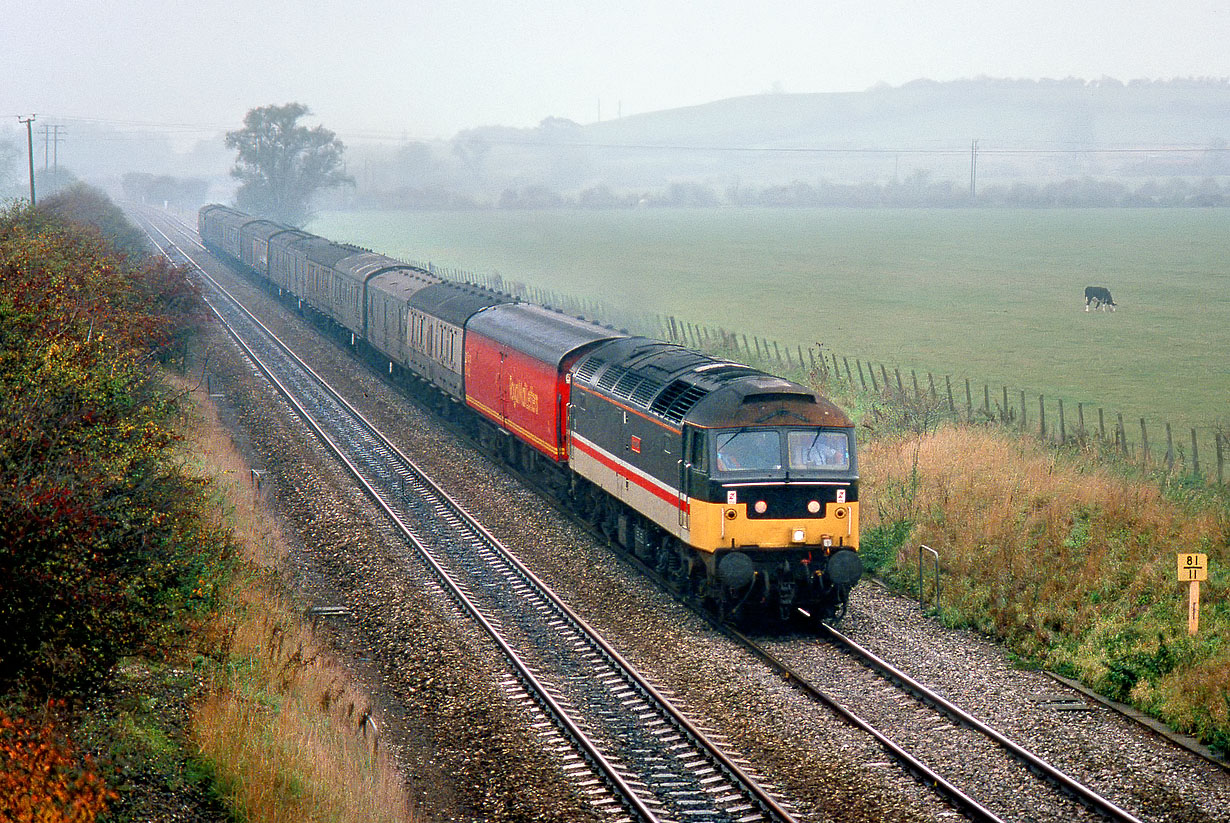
x,y
1098,297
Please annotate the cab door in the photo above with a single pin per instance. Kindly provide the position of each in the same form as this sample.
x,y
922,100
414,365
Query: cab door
x,y
694,474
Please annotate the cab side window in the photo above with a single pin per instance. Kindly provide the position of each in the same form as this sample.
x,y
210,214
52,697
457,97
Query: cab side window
x,y
697,451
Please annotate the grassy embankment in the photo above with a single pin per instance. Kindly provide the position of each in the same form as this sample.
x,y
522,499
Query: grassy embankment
x,y
281,726
144,619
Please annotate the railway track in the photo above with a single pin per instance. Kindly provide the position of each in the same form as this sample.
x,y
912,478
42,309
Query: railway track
x,y
632,750
976,801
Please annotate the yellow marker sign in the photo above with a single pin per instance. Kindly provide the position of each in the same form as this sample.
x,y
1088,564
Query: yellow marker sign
x,y
1193,568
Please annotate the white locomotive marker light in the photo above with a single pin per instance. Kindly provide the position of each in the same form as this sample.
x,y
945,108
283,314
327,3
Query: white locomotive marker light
x,y
1193,568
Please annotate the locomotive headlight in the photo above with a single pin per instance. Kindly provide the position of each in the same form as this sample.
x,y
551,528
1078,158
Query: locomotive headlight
x,y
826,540
798,536
813,506
761,507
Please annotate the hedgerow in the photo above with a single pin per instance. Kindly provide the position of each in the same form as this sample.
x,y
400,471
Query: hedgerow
x,y
104,550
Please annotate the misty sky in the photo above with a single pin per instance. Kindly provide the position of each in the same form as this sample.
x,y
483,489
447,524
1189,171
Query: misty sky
x,y
386,69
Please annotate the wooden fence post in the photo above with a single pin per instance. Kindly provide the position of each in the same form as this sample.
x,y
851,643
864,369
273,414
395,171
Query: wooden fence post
x,y
861,379
900,385
1080,420
1169,449
1004,410
849,377
1041,418
1144,443
884,374
1217,441
1121,434
871,370
914,377
1023,414
1101,426
1063,429
1195,455
952,409
931,383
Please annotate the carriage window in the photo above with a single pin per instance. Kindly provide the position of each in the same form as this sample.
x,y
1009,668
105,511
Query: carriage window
x,y
823,450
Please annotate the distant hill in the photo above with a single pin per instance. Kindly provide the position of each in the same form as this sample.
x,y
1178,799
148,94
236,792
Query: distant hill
x,y
1027,131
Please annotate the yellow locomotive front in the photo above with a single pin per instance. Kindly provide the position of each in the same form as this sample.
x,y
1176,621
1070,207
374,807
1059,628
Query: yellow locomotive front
x,y
773,510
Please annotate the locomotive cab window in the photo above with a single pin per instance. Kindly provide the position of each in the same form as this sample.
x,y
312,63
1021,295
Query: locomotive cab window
x,y
745,450
818,450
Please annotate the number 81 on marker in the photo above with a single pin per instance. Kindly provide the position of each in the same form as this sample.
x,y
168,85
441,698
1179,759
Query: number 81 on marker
x,y
1193,567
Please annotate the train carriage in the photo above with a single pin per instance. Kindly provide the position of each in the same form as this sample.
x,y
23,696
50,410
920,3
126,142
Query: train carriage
x,y
517,359
283,257
389,285
219,227
254,244
436,334
313,278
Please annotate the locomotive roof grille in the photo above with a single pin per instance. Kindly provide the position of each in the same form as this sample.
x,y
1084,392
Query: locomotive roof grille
x,y
644,391
610,377
677,400
588,368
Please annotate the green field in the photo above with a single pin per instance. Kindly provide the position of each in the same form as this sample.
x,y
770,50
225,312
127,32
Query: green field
x,y
992,295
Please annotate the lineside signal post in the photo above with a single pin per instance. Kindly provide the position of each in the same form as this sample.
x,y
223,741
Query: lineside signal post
x,y
1193,568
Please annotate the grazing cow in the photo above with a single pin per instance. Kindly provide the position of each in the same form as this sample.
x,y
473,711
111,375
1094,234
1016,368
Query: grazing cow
x,y
1099,297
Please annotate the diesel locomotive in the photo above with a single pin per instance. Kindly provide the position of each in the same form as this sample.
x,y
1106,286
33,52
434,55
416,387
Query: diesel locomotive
x,y
739,487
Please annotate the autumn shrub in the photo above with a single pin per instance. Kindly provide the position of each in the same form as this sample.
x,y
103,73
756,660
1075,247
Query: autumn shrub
x,y
102,540
43,778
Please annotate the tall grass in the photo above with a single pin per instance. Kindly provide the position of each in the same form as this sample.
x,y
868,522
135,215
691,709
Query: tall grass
x,y
1070,560
282,731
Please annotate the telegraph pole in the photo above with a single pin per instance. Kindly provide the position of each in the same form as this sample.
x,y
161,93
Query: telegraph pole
x,y
973,171
30,149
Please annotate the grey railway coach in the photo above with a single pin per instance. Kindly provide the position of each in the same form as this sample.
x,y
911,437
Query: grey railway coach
x,y
254,243
386,319
436,335
219,227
